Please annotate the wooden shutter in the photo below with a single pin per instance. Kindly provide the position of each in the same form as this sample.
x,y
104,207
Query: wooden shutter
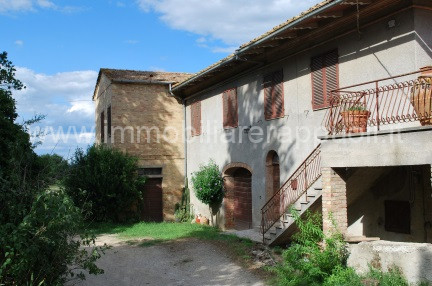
x,y
273,95
102,126
325,78
332,74
109,121
278,95
196,118
230,108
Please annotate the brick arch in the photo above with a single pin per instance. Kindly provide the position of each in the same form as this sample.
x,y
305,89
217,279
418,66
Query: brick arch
x,y
231,167
238,195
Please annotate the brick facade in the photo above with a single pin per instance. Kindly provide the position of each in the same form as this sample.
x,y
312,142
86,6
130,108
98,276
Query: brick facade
x,y
334,201
147,122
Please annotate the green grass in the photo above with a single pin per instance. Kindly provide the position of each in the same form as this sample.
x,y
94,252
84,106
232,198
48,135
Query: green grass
x,y
164,231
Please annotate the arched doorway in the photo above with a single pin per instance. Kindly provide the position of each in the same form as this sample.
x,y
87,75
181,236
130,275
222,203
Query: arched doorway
x,y
272,174
238,196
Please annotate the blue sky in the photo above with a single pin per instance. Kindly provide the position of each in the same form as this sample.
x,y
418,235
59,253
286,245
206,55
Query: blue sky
x,y
58,47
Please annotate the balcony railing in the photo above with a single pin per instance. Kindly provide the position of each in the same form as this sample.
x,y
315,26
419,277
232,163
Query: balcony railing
x,y
381,102
296,186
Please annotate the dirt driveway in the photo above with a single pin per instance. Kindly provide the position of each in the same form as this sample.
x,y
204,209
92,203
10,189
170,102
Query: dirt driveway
x,y
181,262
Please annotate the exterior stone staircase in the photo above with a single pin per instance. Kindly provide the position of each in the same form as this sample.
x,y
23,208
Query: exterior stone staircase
x,y
282,230
302,191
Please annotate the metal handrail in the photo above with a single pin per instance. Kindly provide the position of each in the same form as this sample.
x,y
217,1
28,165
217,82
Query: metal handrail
x,y
393,103
297,185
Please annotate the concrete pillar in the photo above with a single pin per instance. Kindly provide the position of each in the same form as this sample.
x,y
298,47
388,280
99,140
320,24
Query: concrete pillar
x,y
334,202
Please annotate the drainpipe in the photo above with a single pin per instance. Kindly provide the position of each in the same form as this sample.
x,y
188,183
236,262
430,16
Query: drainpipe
x,y
184,132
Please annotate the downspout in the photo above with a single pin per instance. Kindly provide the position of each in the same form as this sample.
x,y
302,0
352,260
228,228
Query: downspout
x,y
184,134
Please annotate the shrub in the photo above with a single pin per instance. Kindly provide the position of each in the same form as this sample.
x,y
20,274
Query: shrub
x,y
343,277
38,229
46,246
313,256
208,184
104,182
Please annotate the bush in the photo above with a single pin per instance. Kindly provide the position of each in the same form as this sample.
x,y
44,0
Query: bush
x,y
38,229
208,184
313,256
104,182
54,254
343,277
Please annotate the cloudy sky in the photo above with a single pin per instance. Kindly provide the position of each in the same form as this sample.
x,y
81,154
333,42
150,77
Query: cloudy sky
x,y
58,47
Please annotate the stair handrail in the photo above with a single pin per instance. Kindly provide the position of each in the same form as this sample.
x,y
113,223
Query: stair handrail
x,y
293,185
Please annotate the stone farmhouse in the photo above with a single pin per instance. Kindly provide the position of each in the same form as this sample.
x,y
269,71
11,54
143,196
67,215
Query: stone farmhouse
x,y
131,108
329,111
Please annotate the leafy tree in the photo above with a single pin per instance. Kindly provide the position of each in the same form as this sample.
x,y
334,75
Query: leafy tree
x,y
39,229
105,183
208,186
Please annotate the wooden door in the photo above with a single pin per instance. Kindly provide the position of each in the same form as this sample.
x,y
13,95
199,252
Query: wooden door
x,y
242,199
152,200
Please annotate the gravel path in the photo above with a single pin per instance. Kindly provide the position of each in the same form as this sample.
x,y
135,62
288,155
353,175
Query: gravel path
x,y
181,262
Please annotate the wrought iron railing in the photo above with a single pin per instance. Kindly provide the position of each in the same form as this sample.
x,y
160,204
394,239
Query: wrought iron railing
x,y
382,102
296,186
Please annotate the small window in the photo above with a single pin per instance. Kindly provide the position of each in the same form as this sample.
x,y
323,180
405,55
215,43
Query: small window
x,y
102,126
150,171
196,118
325,78
398,216
273,95
109,120
230,108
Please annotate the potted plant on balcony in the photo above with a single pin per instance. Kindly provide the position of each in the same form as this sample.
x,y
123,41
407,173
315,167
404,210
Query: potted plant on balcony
x,y
355,119
421,96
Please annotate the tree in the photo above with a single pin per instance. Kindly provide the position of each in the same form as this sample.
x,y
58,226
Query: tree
x,y
105,183
40,229
208,186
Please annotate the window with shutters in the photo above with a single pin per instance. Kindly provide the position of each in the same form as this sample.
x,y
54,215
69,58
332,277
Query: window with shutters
x,y
102,127
196,118
325,78
273,95
230,108
109,120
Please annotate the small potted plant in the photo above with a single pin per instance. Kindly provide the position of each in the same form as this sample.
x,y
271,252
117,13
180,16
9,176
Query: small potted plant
x,y
355,119
421,96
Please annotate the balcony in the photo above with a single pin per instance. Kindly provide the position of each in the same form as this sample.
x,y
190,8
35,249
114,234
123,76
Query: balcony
x,y
400,101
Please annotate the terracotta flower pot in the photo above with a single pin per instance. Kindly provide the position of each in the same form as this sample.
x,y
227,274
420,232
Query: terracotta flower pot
x,y
421,96
355,121
204,220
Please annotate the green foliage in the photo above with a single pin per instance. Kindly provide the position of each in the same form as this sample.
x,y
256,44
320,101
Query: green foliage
x,y
358,107
208,184
182,211
56,168
54,254
104,182
391,278
313,256
38,229
343,277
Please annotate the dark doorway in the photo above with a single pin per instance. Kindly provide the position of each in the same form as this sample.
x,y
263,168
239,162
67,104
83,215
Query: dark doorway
x,y
238,198
152,200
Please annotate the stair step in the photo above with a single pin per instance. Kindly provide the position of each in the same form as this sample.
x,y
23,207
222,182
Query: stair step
x,y
318,189
311,196
304,203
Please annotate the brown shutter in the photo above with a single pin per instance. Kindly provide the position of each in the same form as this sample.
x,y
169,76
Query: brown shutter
x,y
317,82
230,108
325,78
273,95
196,118
332,74
268,101
278,95
109,120
102,126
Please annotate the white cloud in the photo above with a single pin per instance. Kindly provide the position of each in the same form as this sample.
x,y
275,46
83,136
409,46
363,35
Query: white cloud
x,y
65,99
34,5
132,42
233,22
19,42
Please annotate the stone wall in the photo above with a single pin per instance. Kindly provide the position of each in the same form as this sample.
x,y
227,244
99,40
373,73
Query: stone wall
x,y
147,122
